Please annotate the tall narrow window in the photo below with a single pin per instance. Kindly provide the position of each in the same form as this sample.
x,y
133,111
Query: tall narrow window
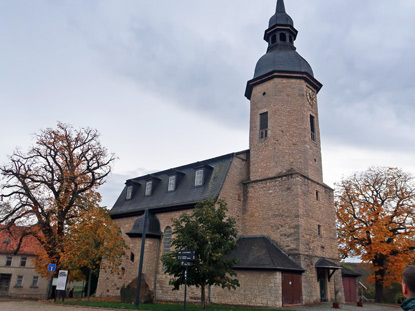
x,y
129,193
319,229
19,281
317,195
149,185
172,183
273,39
23,262
9,260
167,243
283,37
199,178
312,128
35,281
167,240
263,125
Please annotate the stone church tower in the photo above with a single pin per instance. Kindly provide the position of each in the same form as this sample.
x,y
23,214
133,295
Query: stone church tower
x,y
285,171
287,247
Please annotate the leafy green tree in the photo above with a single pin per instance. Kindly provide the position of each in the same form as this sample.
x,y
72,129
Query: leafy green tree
x,y
209,232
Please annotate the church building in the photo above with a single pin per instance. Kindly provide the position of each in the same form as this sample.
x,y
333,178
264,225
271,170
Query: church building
x,y
287,246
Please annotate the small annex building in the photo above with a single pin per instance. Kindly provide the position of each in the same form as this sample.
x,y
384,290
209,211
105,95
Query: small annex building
x,y
18,277
284,212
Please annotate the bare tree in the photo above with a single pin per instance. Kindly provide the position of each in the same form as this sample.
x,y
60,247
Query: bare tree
x,y
47,187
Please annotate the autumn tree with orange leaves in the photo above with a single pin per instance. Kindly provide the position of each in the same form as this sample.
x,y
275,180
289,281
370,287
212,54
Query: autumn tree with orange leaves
x,y
376,221
94,242
53,187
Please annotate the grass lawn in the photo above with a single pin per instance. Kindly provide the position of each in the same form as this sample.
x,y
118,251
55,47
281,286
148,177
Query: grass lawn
x,y
157,306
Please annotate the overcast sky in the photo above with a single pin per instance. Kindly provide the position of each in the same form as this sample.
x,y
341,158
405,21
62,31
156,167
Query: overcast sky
x,y
164,81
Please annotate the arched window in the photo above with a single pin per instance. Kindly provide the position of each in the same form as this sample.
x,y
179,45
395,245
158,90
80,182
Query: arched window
x,y
283,37
273,39
167,243
167,240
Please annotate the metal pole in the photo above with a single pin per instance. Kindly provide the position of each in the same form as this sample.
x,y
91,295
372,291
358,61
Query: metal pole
x,y
49,285
140,268
185,288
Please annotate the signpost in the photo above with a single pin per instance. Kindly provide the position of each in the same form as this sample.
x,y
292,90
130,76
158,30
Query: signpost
x,y
61,286
186,257
51,268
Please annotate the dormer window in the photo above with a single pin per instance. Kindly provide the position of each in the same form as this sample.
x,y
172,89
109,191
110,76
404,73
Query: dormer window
x,y
149,185
172,183
129,193
199,177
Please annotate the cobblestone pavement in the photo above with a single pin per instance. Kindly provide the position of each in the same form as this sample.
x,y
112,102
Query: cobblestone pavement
x,y
8,305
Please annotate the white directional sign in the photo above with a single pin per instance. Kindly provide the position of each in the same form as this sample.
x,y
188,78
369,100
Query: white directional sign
x,y
62,276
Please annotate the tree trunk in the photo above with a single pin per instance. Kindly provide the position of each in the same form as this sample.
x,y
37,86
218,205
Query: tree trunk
x,y
378,292
378,264
203,298
89,283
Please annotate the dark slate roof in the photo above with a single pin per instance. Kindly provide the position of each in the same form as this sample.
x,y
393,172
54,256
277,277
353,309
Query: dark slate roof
x,y
153,227
186,194
326,264
281,56
282,59
349,272
260,253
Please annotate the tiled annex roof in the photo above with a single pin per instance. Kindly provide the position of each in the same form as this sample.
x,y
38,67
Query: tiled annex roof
x,y
186,194
9,239
260,253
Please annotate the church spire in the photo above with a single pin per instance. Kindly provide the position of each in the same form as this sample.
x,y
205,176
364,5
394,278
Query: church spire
x,y
281,52
280,17
280,7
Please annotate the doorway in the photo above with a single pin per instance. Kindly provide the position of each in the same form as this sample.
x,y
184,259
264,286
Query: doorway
x,y
291,289
5,284
322,278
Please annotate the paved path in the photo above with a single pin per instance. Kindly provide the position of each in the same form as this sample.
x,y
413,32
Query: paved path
x,y
328,306
42,306
7,305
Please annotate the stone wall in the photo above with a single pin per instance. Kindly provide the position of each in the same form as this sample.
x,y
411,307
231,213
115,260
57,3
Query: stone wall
x,y
109,284
289,144
258,288
232,190
297,213
272,209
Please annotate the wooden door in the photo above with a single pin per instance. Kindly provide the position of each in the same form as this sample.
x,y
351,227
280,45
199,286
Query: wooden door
x,y
291,289
349,285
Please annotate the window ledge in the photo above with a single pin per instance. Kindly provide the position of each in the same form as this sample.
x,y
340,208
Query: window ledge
x,y
18,286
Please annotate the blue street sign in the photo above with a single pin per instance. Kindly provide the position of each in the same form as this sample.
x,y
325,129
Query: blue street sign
x,y
51,267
